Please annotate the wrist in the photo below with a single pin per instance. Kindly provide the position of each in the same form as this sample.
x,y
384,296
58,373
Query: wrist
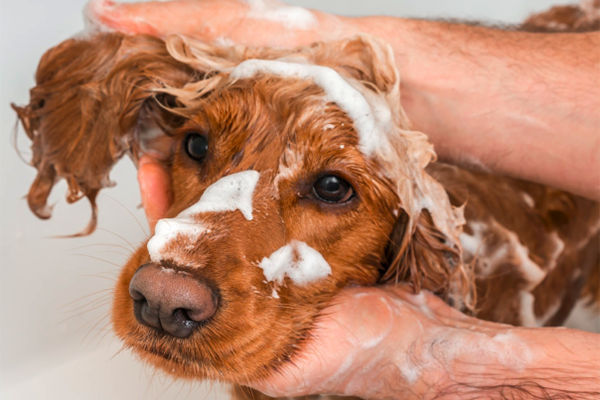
x,y
526,362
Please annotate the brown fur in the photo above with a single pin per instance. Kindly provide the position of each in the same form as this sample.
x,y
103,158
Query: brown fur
x,y
570,18
95,97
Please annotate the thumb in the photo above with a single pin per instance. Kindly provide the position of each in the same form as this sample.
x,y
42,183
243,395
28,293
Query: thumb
x,y
155,189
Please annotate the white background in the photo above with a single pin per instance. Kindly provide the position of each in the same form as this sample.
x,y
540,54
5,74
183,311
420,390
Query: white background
x,y
55,338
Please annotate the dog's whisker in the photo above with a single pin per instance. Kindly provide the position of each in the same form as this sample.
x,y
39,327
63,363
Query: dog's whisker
x,y
97,258
86,308
89,309
121,237
119,351
94,328
110,278
144,230
101,334
102,292
92,245
104,332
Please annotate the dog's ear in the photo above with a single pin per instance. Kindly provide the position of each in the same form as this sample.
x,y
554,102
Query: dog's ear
x,y
363,58
89,98
423,257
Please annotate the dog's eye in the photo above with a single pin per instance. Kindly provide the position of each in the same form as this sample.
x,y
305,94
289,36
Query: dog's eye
x,y
196,145
332,189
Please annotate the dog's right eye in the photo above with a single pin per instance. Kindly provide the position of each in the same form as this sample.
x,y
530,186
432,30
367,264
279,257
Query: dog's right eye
x,y
196,145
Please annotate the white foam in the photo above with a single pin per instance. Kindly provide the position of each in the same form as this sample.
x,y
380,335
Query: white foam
x,y
233,192
559,246
528,199
167,230
473,244
298,261
527,312
369,117
291,17
445,345
530,270
230,193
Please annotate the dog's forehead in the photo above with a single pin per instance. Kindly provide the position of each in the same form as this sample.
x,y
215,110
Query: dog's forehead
x,y
370,114
257,122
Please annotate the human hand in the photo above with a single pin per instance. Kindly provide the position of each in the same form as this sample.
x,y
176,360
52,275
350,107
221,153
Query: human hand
x,y
263,23
386,342
365,330
155,188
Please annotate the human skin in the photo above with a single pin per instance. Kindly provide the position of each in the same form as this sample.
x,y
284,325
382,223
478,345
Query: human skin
x,y
517,103
412,334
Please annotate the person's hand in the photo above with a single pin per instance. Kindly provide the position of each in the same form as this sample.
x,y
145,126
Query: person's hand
x,y
377,343
386,342
269,23
155,188
365,333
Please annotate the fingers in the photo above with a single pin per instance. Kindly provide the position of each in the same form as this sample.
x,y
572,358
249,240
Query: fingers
x,y
119,17
155,189
360,326
271,24
202,19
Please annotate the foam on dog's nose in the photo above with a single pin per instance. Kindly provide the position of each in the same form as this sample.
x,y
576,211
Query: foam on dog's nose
x,y
296,260
230,193
167,230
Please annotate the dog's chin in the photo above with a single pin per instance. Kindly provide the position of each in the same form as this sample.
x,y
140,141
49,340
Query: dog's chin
x,y
190,359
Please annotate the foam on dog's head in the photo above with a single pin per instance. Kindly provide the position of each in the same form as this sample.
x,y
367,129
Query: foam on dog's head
x,y
359,76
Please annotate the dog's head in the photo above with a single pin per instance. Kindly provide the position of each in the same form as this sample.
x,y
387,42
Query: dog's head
x,y
294,175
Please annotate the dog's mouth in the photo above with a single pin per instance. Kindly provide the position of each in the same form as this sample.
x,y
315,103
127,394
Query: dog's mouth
x,y
234,341
198,358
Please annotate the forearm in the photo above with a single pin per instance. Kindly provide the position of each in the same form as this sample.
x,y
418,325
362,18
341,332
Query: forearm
x,y
519,103
469,359
534,363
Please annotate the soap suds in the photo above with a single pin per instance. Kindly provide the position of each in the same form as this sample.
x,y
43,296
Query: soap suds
x,y
443,346
528,199
527,310
531,271
298,261
559,246
291,17
367,117
167,230
473,243
230,193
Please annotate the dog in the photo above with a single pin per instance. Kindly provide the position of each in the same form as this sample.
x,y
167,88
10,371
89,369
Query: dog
x,y
295,174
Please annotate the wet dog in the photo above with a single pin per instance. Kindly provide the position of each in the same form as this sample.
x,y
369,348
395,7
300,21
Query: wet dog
x,y
295,174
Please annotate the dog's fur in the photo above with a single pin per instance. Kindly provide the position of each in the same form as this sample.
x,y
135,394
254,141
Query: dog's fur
x,y
96,99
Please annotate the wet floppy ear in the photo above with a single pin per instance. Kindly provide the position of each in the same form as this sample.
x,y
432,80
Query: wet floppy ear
x,y
363,58
85,108
422,256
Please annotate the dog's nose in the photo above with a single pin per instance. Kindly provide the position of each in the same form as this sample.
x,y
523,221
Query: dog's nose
x,y
170,300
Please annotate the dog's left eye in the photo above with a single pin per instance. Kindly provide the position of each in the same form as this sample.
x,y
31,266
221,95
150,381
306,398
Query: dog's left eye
x,y
332,189
196,145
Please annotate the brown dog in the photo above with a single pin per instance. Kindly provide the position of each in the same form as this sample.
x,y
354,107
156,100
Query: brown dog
x,y
295,174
